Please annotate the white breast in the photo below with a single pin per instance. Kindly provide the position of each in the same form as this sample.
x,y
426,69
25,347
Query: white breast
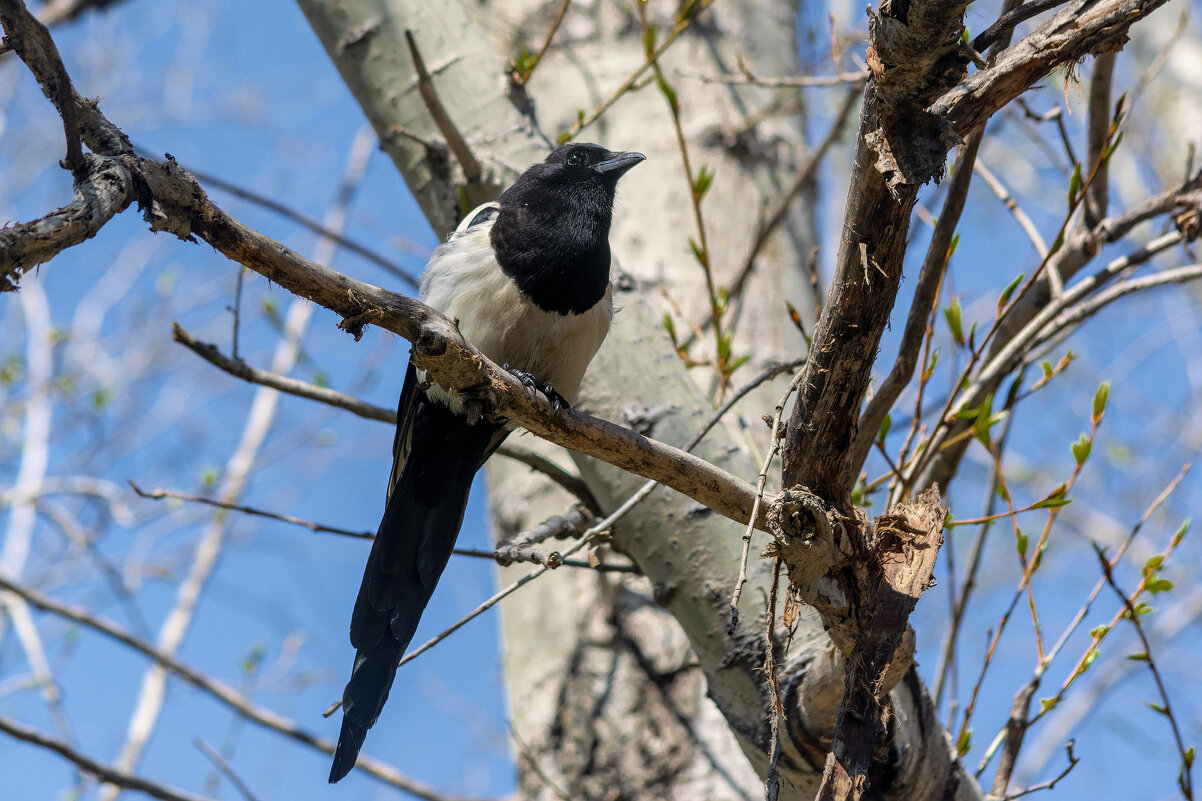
x,y
463,280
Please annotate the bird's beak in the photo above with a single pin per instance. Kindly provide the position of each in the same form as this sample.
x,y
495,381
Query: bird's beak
x,y
618,164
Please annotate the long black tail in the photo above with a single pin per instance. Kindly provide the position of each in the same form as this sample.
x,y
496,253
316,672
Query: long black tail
x,y
412,546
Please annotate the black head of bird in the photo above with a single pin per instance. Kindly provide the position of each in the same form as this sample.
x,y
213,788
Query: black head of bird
x,y
551,235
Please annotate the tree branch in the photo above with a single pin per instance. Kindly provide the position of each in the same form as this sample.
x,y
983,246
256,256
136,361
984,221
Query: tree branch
x,y
100,770
219,690
172,200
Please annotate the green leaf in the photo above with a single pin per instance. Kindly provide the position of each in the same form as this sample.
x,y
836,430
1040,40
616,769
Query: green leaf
x,y
1008,291
523,62
668,92
1051,503
1156,586
724,347
1180,533
930,371
1098,632
951,249
964,742
1021,543
1091,656
1046,366
1153,564
1099,401
670,327
1113,146
955,324
1140,656
1048,704
1058,243
686,10
701,184
698,253
1157,708
1074,185
1188,757
649,35
1141,609
1081,449
886,424
738,362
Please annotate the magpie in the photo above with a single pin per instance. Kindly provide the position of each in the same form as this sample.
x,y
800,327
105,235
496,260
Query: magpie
x,y
527,276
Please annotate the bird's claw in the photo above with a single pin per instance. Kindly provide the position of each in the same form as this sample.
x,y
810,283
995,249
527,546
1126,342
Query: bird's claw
x,y
528,380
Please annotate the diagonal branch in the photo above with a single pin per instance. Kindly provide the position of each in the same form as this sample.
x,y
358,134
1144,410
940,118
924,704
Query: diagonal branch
x,y
217,689
171,200
100,770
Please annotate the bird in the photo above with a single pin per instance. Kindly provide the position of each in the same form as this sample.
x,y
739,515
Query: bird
x,y
528,279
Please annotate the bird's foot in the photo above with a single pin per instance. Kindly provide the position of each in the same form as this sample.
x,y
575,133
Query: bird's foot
x,y
529,380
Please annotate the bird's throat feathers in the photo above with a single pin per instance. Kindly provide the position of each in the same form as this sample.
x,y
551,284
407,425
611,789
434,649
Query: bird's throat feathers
x,y
552,239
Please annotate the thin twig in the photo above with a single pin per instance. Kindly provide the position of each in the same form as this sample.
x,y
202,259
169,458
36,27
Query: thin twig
x,y
219,690
802,81
105,773
308,222
524,76
454,139
776,711
339,400
1050,783
805,175
774,446
680,27
224,767
1185,777
1010,20
1011,204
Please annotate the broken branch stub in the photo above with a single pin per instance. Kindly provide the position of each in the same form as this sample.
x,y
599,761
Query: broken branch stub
x,y
862,578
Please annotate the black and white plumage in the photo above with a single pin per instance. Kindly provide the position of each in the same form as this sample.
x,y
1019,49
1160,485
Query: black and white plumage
x,y
528,279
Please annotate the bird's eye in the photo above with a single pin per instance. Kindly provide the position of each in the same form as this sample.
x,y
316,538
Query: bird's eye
x,y
575,159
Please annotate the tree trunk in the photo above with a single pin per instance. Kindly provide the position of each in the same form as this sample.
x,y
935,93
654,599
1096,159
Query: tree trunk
x,y
626,688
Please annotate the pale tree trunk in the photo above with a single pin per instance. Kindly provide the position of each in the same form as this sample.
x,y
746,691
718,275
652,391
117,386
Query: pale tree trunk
x,y
623,688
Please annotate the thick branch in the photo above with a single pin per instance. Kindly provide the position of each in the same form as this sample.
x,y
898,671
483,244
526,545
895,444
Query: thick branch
x,y
913,58
1081,28
172,200
103,189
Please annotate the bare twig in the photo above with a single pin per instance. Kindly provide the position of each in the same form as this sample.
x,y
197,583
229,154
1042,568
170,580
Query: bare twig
x,y
805,176
761,481
308,222
105,773
524,76
1020,216
455,141
224,767
681,25
1006,24
292,386
219,690
1052,782
303,389
746,77
1185,776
